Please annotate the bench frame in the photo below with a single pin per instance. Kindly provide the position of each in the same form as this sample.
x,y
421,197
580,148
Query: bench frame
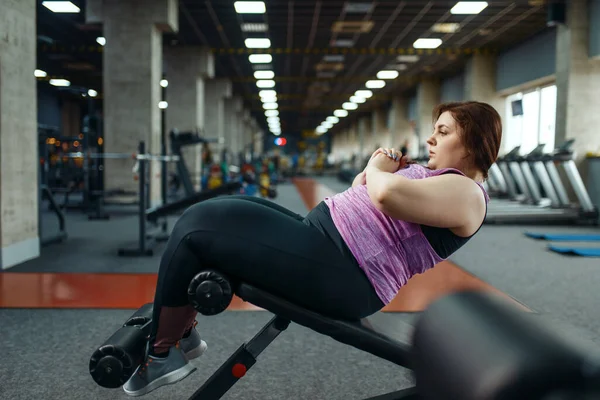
x,y
245,356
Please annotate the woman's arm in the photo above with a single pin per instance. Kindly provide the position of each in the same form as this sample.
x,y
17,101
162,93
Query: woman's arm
x,y
360,179
445,201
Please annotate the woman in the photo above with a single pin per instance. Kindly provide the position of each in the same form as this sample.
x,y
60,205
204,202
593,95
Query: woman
x,y
350,255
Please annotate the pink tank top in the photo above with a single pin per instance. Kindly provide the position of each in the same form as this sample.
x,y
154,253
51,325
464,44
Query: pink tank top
x,y
390,251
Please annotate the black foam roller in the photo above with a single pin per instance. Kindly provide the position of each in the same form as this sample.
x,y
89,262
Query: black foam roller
x,y
113,363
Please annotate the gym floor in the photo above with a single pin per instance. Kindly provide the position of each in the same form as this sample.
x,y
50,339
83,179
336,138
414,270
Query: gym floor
x,y
56,309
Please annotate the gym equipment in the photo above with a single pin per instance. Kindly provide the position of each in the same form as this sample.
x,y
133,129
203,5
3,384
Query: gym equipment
x,y
576,251
564,237
467,345
46,194
179,140
557,209
113,363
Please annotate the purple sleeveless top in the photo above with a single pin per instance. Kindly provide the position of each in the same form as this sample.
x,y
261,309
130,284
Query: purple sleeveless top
x,y
390,251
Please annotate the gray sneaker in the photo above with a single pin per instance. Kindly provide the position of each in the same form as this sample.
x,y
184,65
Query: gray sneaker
x,y
193,346
157,372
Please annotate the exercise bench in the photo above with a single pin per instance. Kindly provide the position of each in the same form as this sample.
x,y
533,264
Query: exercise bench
x,y
467,346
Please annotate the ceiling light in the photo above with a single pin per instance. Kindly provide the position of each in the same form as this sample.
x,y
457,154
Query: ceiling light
x,y
265,84
446,27
375,84
321,130
271,113
387,74
349,106
268,99
427,43
327,125
264,75
60,82
365,94
333,120
276,133
357,99
61,6
340,113
164,83
163,105
101,40
250,7
267,93
469,7
38,73
254,43
270,106
254,27
92,93
407,58
273,120
260,58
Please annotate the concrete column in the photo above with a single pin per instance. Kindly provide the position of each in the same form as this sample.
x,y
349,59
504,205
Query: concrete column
x,y
233,106
577,84
216,91
19,240
381,134
400,131
363,135
132,73
428,97
187,69
480,84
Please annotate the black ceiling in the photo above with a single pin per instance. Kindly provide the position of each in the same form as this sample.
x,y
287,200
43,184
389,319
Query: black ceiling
x,y
301,36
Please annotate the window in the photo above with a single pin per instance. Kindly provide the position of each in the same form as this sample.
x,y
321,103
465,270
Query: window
x,y
535,123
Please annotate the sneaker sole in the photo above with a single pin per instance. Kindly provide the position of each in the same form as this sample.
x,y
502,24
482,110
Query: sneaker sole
x,y
198,351
170,378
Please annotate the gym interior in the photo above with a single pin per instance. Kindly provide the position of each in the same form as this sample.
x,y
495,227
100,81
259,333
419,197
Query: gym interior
x,y
116,116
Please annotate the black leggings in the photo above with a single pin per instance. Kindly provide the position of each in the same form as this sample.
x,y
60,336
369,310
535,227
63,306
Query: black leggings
x,y
261,243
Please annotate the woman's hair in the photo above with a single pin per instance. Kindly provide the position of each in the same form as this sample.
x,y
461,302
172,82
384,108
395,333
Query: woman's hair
x,y
480,130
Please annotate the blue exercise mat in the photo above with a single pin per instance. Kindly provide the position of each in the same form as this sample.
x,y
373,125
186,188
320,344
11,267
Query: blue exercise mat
x,y
565,237
577,251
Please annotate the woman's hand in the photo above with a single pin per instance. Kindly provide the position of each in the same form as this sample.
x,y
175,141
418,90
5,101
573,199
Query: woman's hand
x,y
387,160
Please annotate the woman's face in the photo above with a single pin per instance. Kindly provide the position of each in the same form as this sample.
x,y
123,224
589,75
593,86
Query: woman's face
x,y
445,146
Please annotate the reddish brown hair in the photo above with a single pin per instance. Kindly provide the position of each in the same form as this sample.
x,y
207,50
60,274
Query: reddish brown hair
x,y
480,130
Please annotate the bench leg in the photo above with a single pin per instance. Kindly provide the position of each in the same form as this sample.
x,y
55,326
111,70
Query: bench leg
x,y
240,361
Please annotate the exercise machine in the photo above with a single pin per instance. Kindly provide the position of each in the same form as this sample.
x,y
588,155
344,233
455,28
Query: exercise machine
x,y
532,208
468,346
179,140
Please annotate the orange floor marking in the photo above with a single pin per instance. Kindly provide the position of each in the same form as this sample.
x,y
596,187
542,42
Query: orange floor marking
x,y
74,290
421,290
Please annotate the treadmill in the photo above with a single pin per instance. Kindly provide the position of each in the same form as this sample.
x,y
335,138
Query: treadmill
x,y
559,211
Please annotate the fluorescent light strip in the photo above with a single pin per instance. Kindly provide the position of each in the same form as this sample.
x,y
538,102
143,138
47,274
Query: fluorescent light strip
x,y
38,73
427,43
271,113
357,99
375,84
264,75
60,82
349,106
333,120
250,7
260,58
254,43
365,94
469,7
387,74
101,40
61,6
340,113
265,84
